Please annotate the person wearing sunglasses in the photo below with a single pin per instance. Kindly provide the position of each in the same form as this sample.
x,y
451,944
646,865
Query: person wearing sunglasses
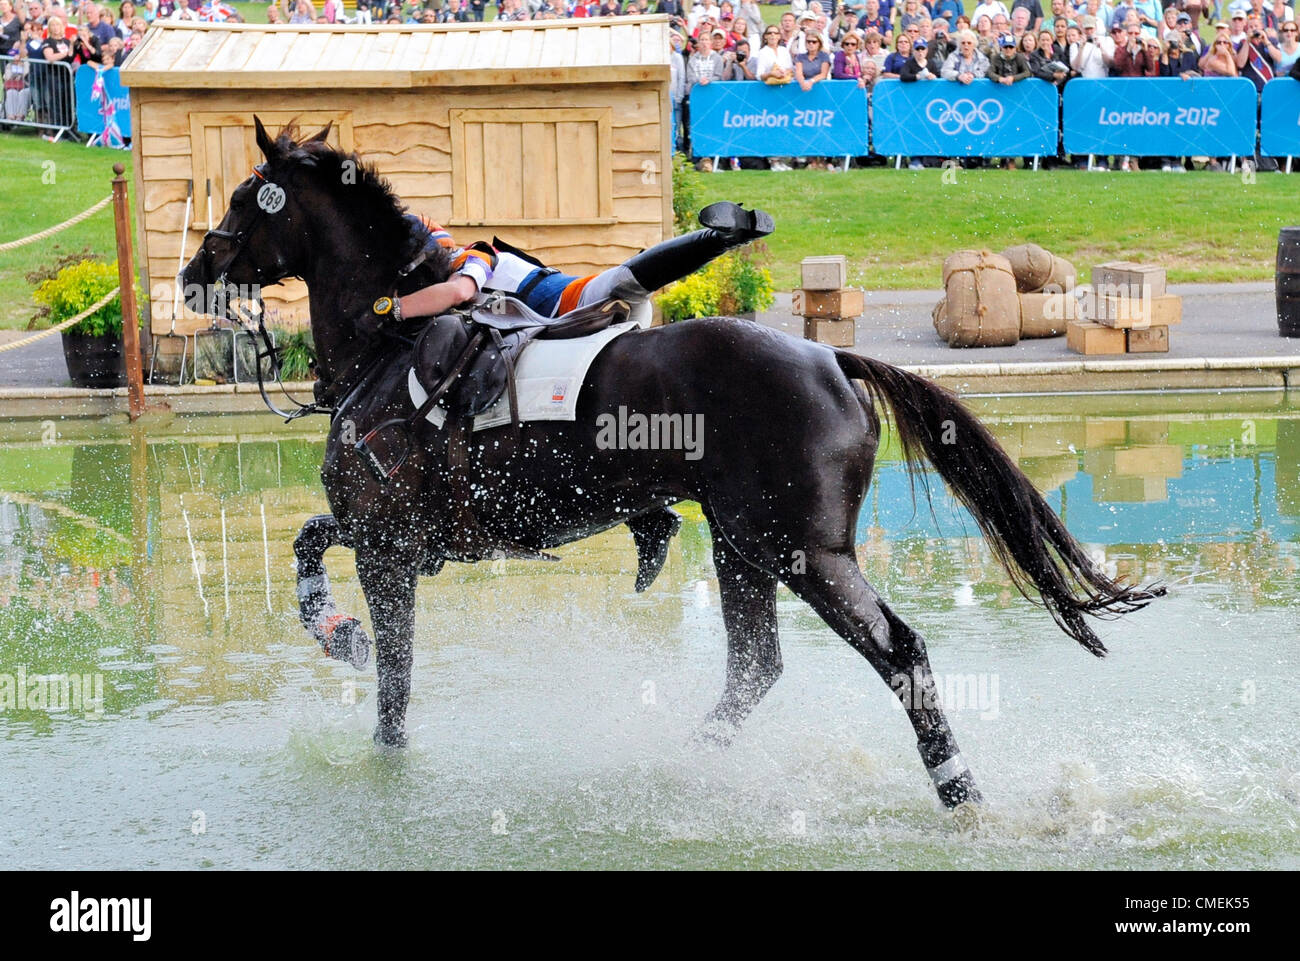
x,y
813,65
1219,61
1288,49
848,60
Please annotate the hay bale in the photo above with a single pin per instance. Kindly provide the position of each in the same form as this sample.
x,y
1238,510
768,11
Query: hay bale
x,y
1046,315
1032,266
980,306
1037,269
1062,276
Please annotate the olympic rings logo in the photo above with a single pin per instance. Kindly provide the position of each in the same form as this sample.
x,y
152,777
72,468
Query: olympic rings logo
x,y
965,115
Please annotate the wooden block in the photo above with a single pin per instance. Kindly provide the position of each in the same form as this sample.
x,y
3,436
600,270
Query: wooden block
x,y
1148,340
1149,460
825,330
847,302
1127,312
1120,278
1085,337
1103,433
824,273
1133,490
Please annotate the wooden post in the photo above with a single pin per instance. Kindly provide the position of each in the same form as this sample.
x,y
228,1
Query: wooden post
x,y
126,281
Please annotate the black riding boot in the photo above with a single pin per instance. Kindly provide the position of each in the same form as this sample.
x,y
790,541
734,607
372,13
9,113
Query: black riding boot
x,y
726,226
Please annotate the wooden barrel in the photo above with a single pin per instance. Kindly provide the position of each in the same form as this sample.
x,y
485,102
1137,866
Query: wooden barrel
x,y
1288,282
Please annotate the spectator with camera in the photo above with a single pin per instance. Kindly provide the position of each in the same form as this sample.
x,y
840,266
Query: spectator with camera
x,y
940,45
1179,58
1253,53
1131,56
1085,57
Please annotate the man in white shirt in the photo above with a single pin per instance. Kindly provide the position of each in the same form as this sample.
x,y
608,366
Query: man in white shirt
x,y
1085,56
990,9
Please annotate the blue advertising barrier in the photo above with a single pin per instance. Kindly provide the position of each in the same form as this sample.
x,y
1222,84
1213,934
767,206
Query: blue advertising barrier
x,y
1161,116
942,118
103,105
1279,118
749,119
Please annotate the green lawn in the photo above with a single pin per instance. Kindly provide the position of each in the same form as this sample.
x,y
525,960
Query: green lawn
x,y
44,184
895,226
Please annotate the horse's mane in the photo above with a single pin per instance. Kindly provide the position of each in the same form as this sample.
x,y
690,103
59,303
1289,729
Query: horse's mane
x,y
363,192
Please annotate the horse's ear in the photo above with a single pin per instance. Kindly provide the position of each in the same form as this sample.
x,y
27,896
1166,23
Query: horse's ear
x,y
264,141
323,135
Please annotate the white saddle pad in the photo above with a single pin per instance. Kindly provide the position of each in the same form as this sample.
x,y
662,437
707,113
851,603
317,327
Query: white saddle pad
x,y
548,376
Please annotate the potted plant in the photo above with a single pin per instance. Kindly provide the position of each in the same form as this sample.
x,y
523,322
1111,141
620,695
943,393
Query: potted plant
x,y
734,285
92,348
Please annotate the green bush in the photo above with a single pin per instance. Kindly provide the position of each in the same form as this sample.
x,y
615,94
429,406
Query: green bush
x,y
297,354
74,288
735,283
687,194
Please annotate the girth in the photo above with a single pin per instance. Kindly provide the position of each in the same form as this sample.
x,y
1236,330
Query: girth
x,y
466,362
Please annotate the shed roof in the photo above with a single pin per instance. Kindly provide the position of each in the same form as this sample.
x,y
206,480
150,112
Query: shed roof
x,y
237,56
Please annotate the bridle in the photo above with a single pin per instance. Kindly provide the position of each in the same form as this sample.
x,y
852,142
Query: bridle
x,y
271,198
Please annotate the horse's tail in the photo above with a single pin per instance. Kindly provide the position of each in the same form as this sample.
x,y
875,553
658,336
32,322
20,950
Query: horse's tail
x,y
1026,535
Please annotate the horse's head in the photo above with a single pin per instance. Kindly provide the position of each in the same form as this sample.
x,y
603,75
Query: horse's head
x,y
307,211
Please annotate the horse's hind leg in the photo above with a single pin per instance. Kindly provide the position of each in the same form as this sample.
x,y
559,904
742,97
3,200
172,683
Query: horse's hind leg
x,y
835,588
753,651
339,635
388,580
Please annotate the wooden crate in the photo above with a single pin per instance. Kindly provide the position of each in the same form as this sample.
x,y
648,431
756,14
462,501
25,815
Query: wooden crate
x,y
1122,278
1148,340
829,331
1127,312
1086,337
848,302
824,273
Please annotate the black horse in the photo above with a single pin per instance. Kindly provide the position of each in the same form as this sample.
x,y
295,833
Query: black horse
x,y
789,440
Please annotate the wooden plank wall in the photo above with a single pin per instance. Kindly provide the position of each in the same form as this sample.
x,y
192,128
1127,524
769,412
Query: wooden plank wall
x,y
407,135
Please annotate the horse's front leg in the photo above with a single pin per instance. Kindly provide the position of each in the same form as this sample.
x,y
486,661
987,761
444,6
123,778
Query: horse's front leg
x,y
339,635
388,579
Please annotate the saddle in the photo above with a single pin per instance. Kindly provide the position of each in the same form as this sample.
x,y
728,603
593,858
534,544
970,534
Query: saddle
x,y
466,361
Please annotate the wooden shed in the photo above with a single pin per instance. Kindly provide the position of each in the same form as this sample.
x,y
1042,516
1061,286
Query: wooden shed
x,y
551,134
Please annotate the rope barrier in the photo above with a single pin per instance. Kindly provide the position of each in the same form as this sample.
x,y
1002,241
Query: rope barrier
x,y
63,226
108,299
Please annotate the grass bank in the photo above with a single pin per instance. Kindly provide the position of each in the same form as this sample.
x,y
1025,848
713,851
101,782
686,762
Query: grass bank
x,y
895,226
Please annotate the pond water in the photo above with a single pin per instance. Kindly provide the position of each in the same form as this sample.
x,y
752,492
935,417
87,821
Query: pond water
x,y
553,708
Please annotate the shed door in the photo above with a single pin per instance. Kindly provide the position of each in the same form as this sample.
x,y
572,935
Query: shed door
x,y
224,148
531,167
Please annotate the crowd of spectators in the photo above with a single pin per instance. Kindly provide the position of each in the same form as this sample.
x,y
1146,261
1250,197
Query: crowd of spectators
x,y
1006,42
1049,41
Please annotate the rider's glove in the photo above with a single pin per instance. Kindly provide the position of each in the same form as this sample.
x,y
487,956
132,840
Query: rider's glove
x,y
478,260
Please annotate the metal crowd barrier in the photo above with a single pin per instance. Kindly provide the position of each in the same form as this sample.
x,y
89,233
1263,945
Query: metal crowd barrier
x,y
40,94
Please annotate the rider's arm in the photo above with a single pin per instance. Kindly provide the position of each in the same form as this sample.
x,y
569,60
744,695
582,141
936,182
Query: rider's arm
x,y
439,298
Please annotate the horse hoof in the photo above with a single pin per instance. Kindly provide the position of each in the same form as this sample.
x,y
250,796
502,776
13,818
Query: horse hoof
x,y
386,737
968,816
715,733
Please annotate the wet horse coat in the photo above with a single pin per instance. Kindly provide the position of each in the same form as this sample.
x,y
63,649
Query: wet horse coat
x,y
786,454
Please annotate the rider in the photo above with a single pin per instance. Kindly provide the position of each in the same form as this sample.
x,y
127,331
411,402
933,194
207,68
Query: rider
x,y
499,267
551,293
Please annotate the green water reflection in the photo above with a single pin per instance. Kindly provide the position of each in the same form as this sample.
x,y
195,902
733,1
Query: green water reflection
x,y
164,560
